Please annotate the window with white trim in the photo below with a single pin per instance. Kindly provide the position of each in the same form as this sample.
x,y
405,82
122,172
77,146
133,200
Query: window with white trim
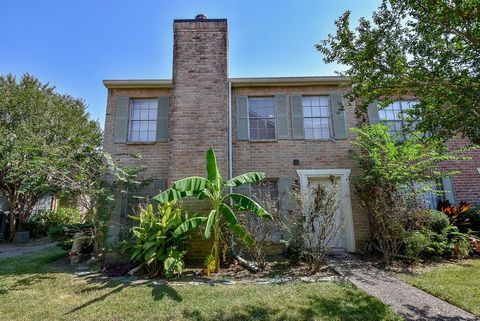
x,y
143,120
394,114
316,117
261,117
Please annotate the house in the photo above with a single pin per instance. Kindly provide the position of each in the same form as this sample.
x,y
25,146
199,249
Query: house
x,y
291,128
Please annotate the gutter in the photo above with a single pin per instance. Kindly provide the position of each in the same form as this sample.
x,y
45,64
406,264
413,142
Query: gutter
x,y
229,149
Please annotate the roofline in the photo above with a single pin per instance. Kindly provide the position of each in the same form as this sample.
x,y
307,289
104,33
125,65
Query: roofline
x,y
236,82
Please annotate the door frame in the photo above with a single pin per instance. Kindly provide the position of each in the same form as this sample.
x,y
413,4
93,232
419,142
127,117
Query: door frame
x,y
343,175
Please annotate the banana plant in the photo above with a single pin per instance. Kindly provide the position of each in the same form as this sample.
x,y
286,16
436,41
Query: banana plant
x,y
215,189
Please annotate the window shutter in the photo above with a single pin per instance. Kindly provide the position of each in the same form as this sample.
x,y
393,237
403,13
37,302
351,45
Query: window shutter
x,y
162,118
284,193
338,116
155,186
282,116
121,119
243,189
372,111
447,185
297,117
242,118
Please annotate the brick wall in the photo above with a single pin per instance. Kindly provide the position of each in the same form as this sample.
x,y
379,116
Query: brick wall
x,y
466,185
275,158
198,116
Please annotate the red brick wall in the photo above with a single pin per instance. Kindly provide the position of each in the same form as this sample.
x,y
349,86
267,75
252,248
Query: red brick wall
x,y
466,185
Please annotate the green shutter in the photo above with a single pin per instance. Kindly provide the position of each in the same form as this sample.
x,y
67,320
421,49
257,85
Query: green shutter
x,y
282,116
285,193
338,116
242,118
162,118
121,119
244,189
297,117
372,111
448,190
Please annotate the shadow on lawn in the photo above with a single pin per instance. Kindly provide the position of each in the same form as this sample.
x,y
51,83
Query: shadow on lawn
x,y
353,306
159,291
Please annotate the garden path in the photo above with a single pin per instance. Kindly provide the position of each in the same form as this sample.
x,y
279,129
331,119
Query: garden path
x,y
405,299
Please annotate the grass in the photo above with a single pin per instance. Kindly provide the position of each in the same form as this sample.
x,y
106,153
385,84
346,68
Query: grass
x,y
458,284
31,290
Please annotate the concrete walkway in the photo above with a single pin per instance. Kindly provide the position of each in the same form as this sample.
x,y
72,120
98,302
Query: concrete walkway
x,y
9,249
405,299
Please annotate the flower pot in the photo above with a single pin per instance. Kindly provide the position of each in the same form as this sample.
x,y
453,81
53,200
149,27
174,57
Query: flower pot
x,y
21,237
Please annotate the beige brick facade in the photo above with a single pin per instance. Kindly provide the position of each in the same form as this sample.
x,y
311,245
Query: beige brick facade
x,y
198,120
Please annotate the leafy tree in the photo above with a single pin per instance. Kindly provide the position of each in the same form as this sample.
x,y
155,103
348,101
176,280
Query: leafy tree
x,y
214,190
390,168
48,144
429,50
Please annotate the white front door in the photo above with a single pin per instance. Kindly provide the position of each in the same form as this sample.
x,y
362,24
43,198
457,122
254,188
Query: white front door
x,y
344,239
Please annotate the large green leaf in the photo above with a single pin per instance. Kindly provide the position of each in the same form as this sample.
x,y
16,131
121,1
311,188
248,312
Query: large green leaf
x,y
189,225
237,229
191,184
247,178
172,194
228,214
212,168
247,204
210,221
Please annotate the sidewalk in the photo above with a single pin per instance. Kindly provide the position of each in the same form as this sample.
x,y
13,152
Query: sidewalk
x,y
10,250
405,299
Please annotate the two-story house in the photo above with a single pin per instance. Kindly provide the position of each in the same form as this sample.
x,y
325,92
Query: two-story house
x,y
292,128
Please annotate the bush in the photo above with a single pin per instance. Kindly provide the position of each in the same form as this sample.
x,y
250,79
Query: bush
x,y
39,223
160,238
436,221
63,234
426,243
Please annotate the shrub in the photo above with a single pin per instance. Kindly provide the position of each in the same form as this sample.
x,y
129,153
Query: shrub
x,y
436,221
160,239
40,222
63,234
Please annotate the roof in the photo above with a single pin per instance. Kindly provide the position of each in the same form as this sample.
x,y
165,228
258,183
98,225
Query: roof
x,y
236,82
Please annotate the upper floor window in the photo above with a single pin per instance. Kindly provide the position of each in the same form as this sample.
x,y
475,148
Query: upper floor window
x,y
143,120
394,114
261,115
316,117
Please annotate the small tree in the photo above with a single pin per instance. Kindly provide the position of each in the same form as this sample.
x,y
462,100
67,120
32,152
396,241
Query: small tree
x,y
214,190
429,50
390,168
47,142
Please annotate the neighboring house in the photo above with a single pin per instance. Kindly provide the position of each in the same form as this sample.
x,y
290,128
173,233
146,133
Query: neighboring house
x,y
292,128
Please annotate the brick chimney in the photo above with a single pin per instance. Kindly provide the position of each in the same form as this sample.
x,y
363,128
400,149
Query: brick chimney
x,y
199,98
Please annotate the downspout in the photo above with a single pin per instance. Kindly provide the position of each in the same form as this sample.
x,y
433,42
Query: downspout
x,y
230,152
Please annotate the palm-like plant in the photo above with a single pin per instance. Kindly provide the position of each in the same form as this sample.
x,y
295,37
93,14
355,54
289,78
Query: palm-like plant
x,y
215,189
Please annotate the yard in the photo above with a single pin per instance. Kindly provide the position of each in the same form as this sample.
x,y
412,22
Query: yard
x,y
457,283
31,289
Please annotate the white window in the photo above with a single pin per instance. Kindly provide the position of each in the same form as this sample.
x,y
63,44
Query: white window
x,y
143,120
394,114
316,117
261,115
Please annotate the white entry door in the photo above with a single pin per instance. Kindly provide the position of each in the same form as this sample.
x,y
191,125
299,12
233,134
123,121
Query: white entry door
x,y
344,239
338,241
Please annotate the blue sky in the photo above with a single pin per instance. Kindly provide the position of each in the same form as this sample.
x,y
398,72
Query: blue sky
x,y
74,45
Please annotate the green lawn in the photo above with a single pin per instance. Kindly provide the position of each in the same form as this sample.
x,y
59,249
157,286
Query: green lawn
x,y
458,284
30,290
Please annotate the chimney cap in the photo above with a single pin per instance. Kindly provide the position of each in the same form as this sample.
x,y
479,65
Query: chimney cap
x,y
201,16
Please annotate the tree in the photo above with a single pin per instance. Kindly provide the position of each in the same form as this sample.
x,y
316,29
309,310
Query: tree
x,y
429,50
48,144
390,169
213,189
